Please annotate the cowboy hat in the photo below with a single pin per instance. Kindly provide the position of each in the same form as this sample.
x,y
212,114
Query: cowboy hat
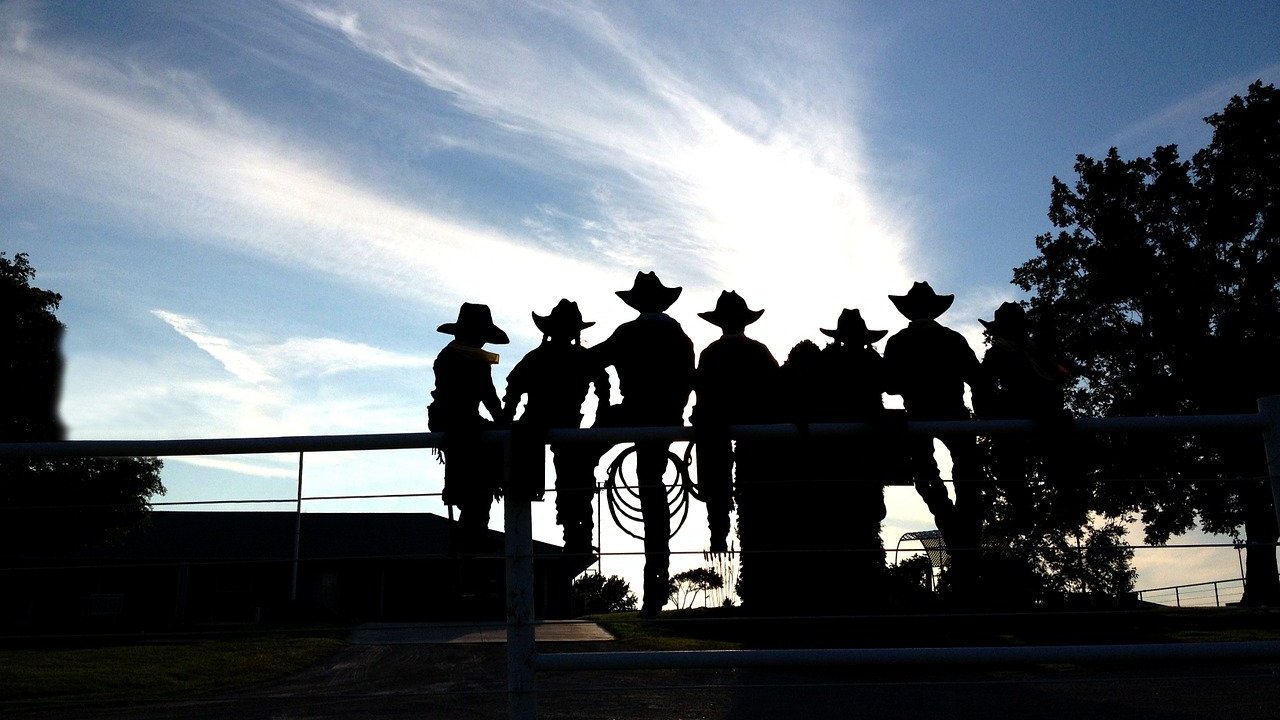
x,y
1010,321
921,302
648,294
731,311
851,328
475,320
565,317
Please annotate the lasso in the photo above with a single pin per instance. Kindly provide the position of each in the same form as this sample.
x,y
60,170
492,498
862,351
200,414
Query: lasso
x,y
624,497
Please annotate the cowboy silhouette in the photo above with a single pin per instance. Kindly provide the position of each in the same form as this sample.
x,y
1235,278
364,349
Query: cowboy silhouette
x,y
734,382
853,374
464,383
1026,382
654,361
929,365
555,376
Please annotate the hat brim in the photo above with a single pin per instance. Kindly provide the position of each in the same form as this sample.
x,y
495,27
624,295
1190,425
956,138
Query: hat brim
x,y
650,299
731,319
925,307
868,337
490,334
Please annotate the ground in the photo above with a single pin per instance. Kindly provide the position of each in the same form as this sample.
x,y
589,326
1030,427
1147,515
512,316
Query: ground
x,y
384,675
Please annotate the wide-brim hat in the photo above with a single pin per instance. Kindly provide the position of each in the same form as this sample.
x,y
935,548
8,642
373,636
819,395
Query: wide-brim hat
x,y
564,318
1010,321
475,320
648,294
731,311
921,302
851,328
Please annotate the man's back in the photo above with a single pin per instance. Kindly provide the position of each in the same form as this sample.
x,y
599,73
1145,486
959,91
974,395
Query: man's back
x,y
929,365
654,360
556,378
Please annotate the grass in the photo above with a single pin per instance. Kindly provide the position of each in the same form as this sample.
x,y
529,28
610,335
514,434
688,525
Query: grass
x,y
708,630
153,672
632,633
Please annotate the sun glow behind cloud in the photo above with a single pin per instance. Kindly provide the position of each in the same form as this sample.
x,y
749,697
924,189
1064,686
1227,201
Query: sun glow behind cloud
x,y
776,206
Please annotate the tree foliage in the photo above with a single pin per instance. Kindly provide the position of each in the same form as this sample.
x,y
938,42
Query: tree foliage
x,y
1162,287
595,593
685,587
50,505
30,358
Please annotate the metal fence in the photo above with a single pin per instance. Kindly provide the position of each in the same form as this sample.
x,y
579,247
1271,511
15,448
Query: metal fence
x,y
523,659
1214,593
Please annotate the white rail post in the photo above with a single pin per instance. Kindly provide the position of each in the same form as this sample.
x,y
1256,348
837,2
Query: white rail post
x,y
1269,409
522,699
297,536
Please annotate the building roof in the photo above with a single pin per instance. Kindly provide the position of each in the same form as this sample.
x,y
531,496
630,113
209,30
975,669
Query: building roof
x,y
240,536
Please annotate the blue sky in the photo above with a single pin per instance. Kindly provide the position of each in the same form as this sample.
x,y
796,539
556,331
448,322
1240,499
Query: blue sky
x,y
258,213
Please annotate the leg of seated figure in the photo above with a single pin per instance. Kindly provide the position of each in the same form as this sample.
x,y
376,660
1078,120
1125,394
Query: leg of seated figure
x,y
715,480
970,511
651,461
575,489
924,472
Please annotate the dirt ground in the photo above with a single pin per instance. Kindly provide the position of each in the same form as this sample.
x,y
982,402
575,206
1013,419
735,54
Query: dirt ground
x,y
468,681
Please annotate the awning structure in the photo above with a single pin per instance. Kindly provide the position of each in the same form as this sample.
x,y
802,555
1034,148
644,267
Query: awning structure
x,y
933,545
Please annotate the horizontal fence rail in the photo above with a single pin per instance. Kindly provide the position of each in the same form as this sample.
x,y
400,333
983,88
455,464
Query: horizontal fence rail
x,y
1223,592
523,659
421,440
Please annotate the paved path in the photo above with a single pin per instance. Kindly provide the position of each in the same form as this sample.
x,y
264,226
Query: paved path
x,y
473,632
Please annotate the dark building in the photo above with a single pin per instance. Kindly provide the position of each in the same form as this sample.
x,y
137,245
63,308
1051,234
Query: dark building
x,y
196,568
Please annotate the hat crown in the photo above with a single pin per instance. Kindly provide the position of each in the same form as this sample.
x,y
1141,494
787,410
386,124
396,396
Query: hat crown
x,y
1011,314
474,315
731,302
921,289
851,322
566,311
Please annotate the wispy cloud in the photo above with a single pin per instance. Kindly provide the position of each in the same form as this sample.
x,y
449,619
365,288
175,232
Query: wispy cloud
x,y
759,189
290,358
1187,114
165,149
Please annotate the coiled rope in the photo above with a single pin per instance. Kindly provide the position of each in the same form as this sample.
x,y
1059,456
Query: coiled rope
x,y
624,497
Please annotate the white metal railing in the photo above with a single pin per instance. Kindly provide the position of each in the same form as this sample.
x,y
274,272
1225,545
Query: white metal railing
x,y
523,659
1223,592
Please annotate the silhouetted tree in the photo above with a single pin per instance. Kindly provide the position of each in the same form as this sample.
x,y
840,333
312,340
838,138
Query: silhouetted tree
x,y
595,593
686,586
1163,287
915,572
53,504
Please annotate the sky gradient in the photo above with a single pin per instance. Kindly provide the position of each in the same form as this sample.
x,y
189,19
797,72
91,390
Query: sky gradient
x,y
258,213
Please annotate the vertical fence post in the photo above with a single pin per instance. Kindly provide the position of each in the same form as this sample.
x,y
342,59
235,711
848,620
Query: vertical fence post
x,y
1177,597
1269,409
1216,601
522,700
297,536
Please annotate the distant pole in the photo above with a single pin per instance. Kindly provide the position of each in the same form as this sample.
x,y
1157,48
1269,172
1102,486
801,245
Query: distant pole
x,y
1269,409
599,529
297,535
